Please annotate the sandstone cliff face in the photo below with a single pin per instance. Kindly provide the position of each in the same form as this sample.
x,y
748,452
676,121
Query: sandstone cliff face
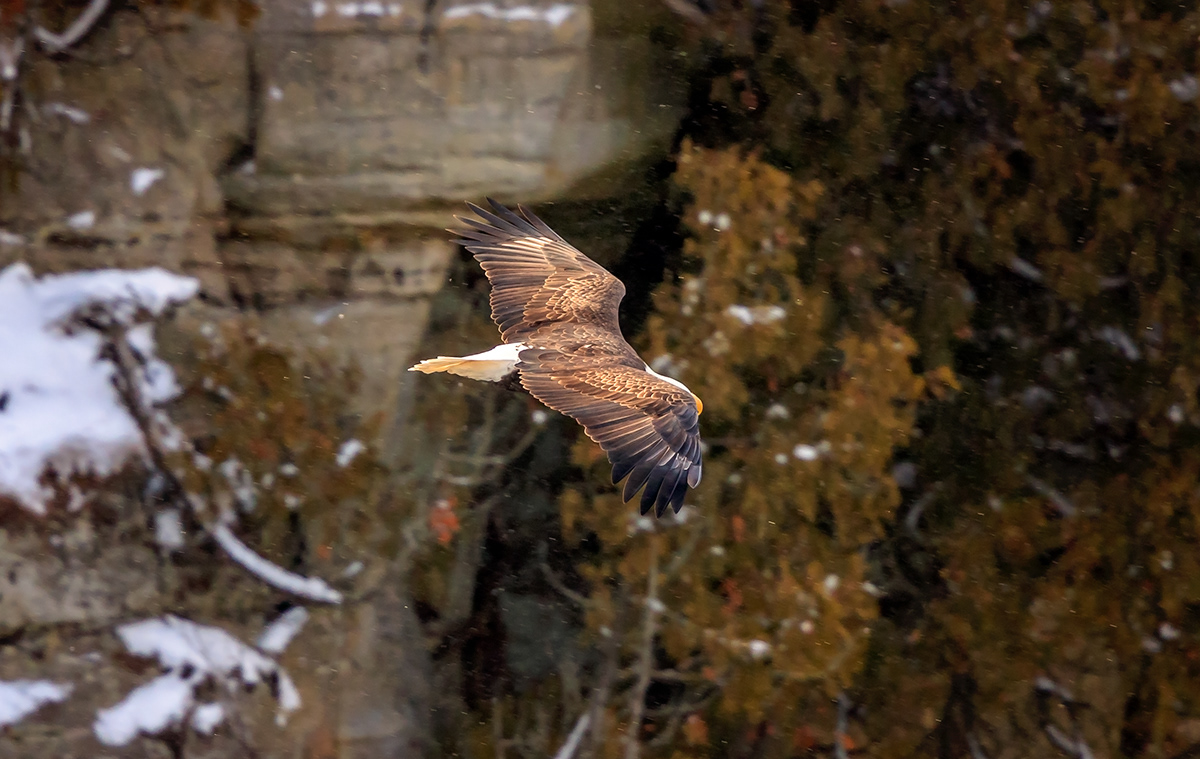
x,y
303,169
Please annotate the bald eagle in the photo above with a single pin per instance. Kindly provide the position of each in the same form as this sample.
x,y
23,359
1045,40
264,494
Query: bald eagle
x,y
557,314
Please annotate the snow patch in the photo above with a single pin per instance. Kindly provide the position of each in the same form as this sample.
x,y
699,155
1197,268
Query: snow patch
x,y
20,698
371,8
193,654
1185,88
58,407
322,317
777,411
241,482
168,530
143,179
751,315
279,633
82,220
1176,414
149,709
759,649
553,15
206,717
806,452
349,451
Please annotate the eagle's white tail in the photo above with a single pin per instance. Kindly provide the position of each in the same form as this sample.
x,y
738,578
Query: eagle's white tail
x,y
490,366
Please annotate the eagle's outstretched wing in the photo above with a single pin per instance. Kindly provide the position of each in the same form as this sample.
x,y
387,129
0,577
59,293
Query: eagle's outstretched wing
x,y
649,427
537,277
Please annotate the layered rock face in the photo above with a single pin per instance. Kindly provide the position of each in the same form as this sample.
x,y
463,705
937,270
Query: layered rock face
x,y
303,168
311,161
380,105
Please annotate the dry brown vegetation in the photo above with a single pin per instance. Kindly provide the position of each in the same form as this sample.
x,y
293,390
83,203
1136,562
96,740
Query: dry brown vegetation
x,y
963,235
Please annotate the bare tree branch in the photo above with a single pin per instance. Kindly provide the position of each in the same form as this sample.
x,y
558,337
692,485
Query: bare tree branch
x,y
839,737
126,383
974,747
498,741
1074,746
572,744
557,584
128,387
665,675
603,689
11,51
6,107
1056,499
690,706
468,553
637,698
312,588
686,10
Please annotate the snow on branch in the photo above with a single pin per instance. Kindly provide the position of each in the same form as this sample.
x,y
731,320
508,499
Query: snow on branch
x,y
79,391
20,698
193,655
11,51
279,633
78,29
123,294
312,588
59,409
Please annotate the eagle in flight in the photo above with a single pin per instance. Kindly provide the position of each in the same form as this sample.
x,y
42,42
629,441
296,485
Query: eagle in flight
x,y
557,314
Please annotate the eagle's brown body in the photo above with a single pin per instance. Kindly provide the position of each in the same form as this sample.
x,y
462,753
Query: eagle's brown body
x,y
557,314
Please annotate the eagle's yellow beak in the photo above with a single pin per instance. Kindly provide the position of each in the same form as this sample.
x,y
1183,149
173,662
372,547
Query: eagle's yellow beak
x,y
699,404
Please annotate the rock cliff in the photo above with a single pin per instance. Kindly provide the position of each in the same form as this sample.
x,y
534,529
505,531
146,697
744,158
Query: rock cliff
x,y
302,168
